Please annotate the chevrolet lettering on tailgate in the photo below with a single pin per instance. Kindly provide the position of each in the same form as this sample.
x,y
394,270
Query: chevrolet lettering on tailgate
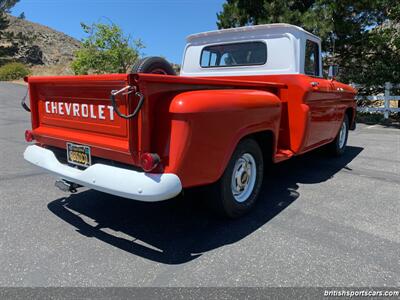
x,y
101,112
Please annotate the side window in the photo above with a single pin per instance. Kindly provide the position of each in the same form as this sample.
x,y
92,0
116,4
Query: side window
x,y
311,62
209,58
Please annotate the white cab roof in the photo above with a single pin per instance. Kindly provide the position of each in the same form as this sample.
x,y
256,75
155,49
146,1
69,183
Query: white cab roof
x,y
248,29
285,47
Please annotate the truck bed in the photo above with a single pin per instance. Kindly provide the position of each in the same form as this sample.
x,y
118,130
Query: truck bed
x,y
78,109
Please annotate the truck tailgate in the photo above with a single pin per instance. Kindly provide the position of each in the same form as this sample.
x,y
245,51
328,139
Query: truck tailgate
x,y
78,109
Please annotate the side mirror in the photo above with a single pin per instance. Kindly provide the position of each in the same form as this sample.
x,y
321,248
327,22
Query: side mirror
x,y
333,71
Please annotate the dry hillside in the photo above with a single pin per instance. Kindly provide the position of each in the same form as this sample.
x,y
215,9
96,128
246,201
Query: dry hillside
x,y
48,51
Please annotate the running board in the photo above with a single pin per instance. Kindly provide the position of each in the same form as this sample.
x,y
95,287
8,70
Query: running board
x,y
282,154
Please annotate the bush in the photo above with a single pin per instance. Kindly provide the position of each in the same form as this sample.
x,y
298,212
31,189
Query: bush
x,y
12,71
106,50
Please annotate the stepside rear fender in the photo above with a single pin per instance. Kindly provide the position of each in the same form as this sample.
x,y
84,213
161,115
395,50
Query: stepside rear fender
x,y
207,125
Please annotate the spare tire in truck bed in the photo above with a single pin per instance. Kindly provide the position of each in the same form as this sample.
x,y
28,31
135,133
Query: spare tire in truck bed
x,y
153,65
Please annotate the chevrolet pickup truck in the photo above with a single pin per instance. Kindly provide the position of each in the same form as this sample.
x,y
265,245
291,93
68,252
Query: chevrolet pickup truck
x,y
245,97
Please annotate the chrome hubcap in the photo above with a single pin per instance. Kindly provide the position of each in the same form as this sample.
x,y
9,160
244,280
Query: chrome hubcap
x,y
342,135
243,177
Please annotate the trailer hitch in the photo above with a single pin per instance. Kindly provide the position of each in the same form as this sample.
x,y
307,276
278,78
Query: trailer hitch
x,y
67,186
126,91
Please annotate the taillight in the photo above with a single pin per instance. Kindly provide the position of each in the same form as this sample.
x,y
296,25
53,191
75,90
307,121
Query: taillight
x,y
29,136
149,161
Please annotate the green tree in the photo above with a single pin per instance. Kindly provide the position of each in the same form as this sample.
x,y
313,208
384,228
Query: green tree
x,y
6,50
364,33
106,49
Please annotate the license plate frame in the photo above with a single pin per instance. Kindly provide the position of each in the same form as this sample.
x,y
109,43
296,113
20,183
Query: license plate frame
x,y
79,155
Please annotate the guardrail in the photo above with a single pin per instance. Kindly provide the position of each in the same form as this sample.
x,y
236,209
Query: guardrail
x,y
386,97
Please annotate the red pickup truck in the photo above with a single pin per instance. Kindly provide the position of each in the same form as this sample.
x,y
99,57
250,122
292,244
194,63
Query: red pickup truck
x,y
245,97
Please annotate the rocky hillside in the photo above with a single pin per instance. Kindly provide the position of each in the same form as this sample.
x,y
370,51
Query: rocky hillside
x,y
45,46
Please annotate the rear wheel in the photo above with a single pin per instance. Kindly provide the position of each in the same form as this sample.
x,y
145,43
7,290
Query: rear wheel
x,y
237,190
338,145
153,65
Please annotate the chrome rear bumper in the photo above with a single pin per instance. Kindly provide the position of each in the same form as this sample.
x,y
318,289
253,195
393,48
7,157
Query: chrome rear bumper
x,y
122,182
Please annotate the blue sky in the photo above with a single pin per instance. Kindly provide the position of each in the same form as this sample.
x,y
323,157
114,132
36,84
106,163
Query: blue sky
x,y
162,25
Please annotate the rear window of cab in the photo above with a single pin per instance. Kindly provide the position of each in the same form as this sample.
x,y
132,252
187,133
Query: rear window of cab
x,y
234,54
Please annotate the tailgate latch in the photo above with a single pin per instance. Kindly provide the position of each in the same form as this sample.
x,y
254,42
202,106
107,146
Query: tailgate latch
x,y
126,91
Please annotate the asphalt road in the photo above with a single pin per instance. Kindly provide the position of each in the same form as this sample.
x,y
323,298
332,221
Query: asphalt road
x,y
320,221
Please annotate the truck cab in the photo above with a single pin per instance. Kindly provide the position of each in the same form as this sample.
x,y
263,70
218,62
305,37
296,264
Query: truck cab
x,y
246,97
272,49
274,52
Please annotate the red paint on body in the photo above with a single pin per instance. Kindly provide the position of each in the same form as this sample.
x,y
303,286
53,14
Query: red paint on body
x,y
193,124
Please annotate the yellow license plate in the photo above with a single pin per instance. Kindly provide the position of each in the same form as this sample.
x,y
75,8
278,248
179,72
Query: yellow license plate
x,y
79,155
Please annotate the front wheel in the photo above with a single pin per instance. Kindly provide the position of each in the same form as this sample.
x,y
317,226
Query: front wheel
x,y
338,145
237,190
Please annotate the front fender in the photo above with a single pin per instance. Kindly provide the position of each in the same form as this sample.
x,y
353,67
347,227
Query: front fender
x,y
207,125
